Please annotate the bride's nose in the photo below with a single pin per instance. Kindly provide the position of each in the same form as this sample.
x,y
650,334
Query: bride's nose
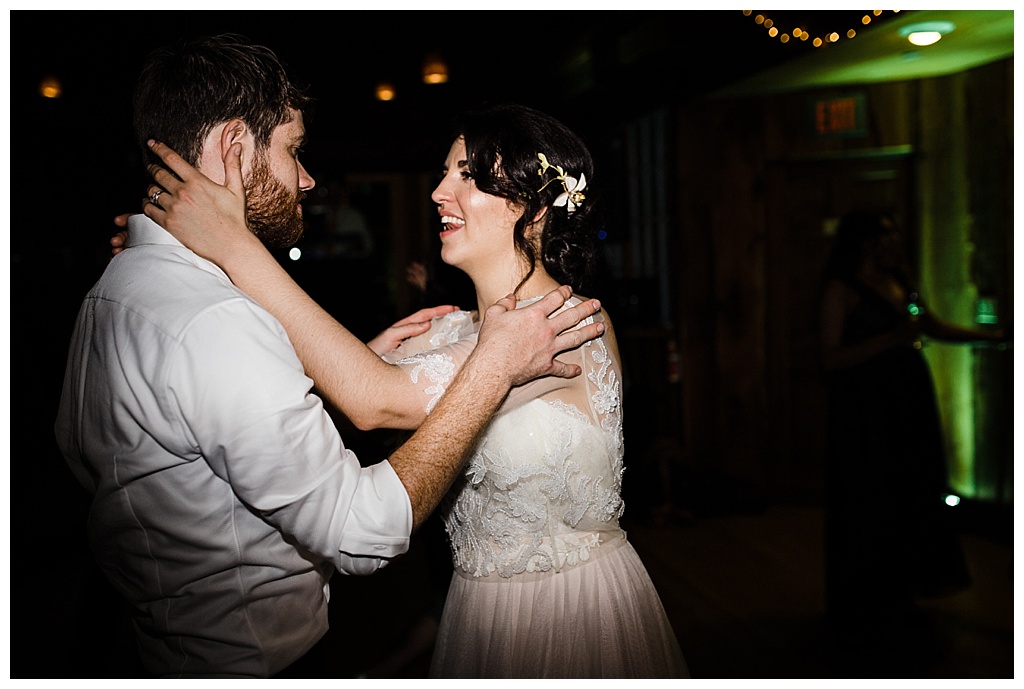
x,y
440,193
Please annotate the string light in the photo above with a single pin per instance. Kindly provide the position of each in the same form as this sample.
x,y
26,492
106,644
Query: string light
x,y
775,28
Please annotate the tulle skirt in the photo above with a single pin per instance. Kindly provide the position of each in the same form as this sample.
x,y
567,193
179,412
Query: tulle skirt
x,y
600,619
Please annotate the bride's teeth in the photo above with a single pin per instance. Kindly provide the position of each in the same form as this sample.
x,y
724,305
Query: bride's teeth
x,y
449,220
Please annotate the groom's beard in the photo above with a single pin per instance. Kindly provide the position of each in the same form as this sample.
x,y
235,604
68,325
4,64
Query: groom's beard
x,y
273,213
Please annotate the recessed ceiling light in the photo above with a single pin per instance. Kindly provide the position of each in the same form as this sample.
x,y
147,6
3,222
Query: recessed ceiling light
x,y
926,33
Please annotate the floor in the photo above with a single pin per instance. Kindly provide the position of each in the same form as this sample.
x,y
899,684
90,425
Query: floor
x,y
746,596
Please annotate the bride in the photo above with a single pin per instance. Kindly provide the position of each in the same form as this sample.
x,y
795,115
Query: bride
x,y
545,582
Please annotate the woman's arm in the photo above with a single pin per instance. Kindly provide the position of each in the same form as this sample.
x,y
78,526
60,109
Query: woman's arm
x,y
947,332
210,220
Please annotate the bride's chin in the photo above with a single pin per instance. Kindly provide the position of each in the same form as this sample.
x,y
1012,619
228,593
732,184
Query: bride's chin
x,y
449,257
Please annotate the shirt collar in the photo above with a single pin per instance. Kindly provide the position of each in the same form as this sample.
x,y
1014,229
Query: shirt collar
x,y
142,230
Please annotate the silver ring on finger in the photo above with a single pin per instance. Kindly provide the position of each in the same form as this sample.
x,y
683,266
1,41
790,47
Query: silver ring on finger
x,y
154,198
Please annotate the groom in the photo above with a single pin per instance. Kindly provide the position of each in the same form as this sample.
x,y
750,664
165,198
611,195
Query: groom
x,y
223,497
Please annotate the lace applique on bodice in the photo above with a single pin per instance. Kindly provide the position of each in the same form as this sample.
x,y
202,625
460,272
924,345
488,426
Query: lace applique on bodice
x,y
542,488
539,490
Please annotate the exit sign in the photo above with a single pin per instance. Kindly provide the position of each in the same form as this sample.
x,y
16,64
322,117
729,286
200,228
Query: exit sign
x,y
841,116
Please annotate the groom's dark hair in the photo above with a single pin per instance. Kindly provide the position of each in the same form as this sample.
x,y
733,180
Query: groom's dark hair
x,y
185,90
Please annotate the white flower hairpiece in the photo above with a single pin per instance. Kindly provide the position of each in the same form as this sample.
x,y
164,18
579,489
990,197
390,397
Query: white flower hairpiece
x,y
572,195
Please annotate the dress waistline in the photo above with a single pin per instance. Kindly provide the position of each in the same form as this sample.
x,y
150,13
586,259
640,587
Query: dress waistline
x,y
606,542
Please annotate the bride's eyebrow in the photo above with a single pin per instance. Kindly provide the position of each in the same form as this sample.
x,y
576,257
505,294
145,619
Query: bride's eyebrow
x,y
460,164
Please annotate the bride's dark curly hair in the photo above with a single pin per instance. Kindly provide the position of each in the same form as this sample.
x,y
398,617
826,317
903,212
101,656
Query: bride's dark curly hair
x,y
502,143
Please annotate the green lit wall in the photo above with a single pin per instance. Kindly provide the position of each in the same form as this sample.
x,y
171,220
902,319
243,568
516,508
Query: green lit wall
x,y
943,256
971,390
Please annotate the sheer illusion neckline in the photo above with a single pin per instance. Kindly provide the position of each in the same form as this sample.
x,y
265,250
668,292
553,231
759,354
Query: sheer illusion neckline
x,y
528,301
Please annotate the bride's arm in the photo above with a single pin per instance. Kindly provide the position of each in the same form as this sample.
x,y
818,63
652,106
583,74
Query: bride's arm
x,y
210,220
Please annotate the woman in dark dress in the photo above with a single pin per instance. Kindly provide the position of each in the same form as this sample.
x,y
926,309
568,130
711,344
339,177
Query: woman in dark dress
x,y
888,536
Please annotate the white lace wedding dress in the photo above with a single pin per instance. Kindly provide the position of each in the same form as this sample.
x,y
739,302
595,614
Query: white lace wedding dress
x,y
545,583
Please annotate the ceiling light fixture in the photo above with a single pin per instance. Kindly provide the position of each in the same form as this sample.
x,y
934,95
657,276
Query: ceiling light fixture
x,y
385,91
435,71
926,33
50,88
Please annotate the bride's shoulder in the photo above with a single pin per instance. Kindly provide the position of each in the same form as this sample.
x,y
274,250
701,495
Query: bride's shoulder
x,y
601,316
450,328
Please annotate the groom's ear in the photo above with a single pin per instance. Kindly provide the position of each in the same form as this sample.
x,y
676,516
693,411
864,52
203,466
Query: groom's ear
x,y
221,138
237,131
